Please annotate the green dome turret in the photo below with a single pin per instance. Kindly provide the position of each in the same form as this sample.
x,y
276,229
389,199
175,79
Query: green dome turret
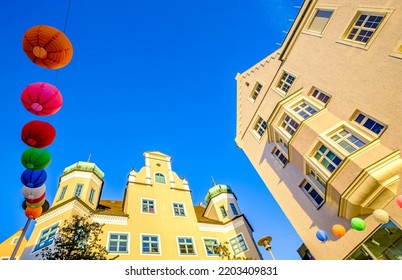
x,y
84,166
217,190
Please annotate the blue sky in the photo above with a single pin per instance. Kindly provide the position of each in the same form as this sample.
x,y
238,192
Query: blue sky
x,y
145,75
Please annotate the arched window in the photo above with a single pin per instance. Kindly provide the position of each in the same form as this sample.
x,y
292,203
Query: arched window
x,y
160,178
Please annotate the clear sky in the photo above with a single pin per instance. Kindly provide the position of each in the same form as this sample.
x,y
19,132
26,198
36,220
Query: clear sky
x,y
145,76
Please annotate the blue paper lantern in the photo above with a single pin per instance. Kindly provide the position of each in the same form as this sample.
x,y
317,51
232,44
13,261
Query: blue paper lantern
x,y
322,235
33,178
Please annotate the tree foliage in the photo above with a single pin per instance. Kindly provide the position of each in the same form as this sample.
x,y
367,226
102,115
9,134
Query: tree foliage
x,y
77,240
223,251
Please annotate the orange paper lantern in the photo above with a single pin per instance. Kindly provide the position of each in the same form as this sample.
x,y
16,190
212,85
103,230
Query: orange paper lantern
x,y
339,230
33,213
47,46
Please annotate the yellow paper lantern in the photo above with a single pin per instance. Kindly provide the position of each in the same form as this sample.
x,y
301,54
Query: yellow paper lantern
x,y
381,216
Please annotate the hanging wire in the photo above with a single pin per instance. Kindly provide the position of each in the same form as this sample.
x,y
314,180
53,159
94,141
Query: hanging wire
x,y
64,31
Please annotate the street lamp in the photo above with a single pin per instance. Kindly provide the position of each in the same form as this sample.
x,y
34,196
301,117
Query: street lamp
x,y
264,241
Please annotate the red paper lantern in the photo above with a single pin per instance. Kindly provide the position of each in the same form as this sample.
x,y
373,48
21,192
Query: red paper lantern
x,y
399,201
33,213
47,46
41,99
38,134
35,205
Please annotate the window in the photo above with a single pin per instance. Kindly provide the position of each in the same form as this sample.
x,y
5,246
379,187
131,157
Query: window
x,y
317,177
150,244
280,156
384,244
118,243
234,209
78,190
148,206
256,91
320,20
160,178
285,82
364,27
327,158
46,237
15,240
178,209
313,193
62,193
369,123
289,125
238,244
186,245
210,245
321,96
347,140
260,127
223,211
305,110
91,195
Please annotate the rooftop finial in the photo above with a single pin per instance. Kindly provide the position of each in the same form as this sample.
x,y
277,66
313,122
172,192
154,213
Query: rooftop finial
x,y
89,158
213,181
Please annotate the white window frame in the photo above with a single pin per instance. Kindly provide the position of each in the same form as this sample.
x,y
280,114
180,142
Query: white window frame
x,y
159,253
277,153
224,212
118,242
311,189
380,11
236,238
53,229
318,8
163,175
192,243
397,51
78,190
284,124
142,205
63,193
345,138
299,108
259,127
92,195
324,156
184,209
319,95
282,82
205,246
255,92
367,117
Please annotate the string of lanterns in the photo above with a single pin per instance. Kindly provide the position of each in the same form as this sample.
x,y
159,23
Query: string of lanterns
x,y
50,48
381,216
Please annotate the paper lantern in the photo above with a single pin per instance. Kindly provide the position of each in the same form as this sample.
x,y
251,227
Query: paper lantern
x,y
338,230
33,193
35,159
322,235
399,201
33,178
381,216
47,46
45,206
358,224
38,134
35,200
35,205
42,99
33,213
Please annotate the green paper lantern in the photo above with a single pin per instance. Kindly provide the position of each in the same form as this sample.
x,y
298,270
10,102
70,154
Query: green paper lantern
x,y
35,159
358,224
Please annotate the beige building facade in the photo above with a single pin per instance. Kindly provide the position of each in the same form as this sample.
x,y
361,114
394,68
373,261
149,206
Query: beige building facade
x,y
320,120
156,220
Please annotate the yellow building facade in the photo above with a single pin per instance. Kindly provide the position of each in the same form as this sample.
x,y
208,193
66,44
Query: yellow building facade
x,y
156,220
320,121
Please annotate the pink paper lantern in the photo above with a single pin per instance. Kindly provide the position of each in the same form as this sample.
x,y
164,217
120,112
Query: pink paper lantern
x,y
399,201
42,99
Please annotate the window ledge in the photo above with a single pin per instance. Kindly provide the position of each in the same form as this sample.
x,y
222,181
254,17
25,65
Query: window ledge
x,y
312,33
353,44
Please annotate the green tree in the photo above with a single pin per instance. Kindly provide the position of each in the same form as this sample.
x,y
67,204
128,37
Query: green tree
x,y
77,240
223,251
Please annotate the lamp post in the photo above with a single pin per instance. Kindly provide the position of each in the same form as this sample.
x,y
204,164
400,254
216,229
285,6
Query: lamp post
x,y
265,241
